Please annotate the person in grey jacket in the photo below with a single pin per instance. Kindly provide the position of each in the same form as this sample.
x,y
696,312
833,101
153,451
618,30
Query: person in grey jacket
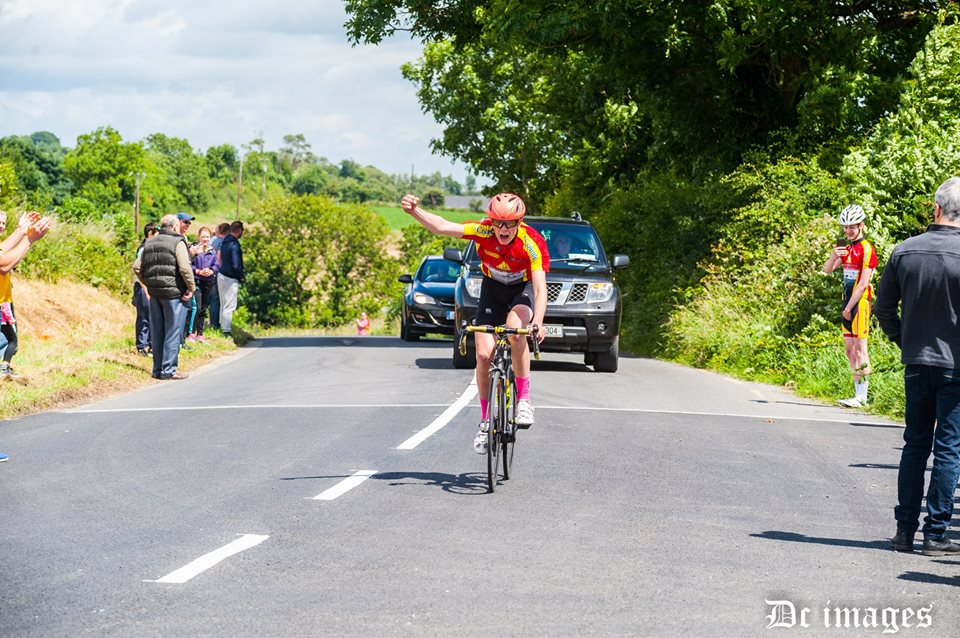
x,y
923,278
164,269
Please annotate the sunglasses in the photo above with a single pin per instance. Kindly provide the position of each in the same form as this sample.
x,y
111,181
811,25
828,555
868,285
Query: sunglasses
x,y
504,224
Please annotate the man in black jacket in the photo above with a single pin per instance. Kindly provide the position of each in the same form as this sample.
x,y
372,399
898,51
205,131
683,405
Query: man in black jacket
x,y
923,274
163,268
230,276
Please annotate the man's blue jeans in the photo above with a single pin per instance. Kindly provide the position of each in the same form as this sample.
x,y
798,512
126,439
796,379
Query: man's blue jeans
x,y
166,323
932,420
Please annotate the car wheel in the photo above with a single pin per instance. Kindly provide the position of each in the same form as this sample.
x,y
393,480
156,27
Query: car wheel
x,y
406,333
463,361
608,361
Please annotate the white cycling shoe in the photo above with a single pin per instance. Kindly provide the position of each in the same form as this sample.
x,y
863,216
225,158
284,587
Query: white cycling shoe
x,y
480,440
524,414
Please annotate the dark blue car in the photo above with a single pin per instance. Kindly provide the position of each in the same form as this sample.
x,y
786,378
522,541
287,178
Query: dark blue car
x,y
428,299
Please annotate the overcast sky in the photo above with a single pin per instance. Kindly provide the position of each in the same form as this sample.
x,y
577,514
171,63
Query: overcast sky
x,y
213,72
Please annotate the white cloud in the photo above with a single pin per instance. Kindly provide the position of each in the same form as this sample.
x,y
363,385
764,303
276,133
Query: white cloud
x,y
213,72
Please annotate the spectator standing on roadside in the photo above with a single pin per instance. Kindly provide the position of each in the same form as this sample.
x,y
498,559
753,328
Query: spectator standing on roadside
x,y
185,220
859,260
363,324
222,231
205,268
141,301
923,278
164,269
30,228
230,276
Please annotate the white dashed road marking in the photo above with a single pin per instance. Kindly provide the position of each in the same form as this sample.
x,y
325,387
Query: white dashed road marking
x,y
344,486
207,561
441,420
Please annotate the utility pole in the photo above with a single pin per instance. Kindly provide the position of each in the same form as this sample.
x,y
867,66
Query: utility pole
x,y
263,164
239,186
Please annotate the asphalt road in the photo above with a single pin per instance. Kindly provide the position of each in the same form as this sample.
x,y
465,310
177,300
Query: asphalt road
x,y
295,490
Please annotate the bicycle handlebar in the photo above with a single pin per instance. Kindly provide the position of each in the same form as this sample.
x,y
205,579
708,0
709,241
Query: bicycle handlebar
x,y
503,330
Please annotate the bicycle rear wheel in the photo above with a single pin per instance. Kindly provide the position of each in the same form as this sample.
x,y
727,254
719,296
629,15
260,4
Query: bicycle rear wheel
x,y
497,414
509,438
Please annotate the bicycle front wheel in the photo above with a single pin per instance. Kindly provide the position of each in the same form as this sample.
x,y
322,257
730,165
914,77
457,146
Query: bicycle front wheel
x,y
509,438
497,413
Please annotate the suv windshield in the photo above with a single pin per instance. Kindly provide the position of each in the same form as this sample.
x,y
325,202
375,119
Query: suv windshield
x,y
573,246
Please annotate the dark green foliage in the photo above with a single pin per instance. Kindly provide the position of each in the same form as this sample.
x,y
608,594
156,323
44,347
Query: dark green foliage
x,y
315,262
88,253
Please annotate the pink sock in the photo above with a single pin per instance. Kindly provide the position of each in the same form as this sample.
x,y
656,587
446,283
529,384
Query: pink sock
x,y
523,388
483,409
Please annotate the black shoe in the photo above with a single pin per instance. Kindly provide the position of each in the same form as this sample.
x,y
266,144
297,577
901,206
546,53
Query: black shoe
x,y
143,352
940,547
902,542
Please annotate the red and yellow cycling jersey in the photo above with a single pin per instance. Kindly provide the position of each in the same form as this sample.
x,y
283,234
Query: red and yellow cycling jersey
x,y
513,263
860,255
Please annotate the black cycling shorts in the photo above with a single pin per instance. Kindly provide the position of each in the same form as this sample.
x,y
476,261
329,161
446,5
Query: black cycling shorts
x,y
497,299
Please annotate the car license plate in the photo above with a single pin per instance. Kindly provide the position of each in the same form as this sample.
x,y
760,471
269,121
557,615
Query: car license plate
x,y
450,315
553,331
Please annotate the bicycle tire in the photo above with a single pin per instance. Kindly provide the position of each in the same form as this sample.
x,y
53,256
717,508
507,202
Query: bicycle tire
x,y
510,431
495,428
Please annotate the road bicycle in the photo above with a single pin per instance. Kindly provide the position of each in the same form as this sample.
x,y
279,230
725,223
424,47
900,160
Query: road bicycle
x,y
502,408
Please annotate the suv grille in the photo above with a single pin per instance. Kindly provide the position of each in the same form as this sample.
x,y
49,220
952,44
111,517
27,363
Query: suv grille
x,y
553,291
559,293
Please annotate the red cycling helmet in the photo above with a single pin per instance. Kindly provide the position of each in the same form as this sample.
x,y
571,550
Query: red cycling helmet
x,y
506,206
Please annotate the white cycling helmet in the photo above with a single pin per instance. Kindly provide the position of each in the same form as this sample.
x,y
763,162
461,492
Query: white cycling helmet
x,y
852,214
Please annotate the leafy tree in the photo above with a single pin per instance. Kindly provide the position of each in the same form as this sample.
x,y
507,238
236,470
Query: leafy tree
x,y
8,184
37,160
103,166
296,151
315,262
311,179
185,169
910,152
531,91
222,163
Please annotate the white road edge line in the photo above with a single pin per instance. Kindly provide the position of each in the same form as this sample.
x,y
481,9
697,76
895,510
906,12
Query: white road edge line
x,y
852,419
344,486
188,571
441,420
261,406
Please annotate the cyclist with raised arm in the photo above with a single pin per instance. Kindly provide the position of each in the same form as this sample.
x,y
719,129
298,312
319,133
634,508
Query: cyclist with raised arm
x,y
514,261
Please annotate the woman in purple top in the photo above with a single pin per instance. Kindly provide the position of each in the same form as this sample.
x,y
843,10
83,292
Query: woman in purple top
x,y
205,269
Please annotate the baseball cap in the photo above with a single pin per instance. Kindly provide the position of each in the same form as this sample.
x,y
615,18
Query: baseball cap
x,y
187,217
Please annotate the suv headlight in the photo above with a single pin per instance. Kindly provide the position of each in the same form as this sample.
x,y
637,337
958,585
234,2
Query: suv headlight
x,y
597,293
473,286
422,299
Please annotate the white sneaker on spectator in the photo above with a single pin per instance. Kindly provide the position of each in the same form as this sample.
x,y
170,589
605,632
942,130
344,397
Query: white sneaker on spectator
x,y
852,403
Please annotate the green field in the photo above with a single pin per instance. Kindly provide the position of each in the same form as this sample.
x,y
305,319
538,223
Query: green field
x,y
397,219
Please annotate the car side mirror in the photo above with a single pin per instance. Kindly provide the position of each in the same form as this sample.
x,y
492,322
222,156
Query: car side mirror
x,y
405,279
621,261
453,254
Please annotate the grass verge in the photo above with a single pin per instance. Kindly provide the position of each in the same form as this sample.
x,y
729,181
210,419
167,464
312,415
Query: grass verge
x,y
76,345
